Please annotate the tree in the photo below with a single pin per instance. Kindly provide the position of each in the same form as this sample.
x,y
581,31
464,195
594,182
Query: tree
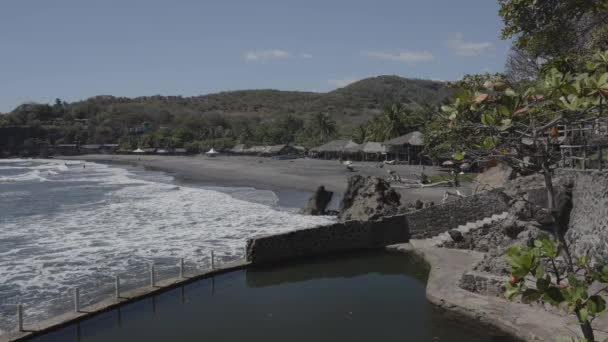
x,y
522,66
520,127
537,277
550,28
325,125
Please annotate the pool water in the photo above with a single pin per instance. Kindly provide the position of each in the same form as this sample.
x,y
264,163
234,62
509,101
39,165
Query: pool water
x,y
363,297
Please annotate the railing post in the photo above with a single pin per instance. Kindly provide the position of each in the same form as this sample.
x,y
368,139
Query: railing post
x,y
76,300
585,157
20,317
181,267
212,260
601,158
117,286
152,275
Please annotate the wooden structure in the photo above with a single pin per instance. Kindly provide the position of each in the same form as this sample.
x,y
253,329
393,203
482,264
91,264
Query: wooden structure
x,y
584,156
405,148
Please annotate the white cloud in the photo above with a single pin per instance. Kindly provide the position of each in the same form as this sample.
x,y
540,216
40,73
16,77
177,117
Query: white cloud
x,y
343,82
409,57
264,55
461,47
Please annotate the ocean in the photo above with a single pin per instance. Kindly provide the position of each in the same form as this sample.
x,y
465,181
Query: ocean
x,y
67,224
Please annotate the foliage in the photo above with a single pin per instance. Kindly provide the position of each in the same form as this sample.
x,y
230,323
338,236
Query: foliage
x,y
537,277
254,117
519,126
550,28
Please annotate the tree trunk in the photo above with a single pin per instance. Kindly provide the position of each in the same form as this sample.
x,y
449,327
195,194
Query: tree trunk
x,y
549,187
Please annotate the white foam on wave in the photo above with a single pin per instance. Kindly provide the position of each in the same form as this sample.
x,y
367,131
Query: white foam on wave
x,y
141,221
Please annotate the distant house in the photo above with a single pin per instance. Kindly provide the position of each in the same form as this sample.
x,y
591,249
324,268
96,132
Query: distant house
x,y
109,148
179,151
67,149
90,148
238,149
255,150
149,150
162,151
406,147
281,150
373,151
332,150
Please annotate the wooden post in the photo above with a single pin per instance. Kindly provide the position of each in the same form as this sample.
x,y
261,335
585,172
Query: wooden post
x,y
585,157
563,158
181,267
601,157
76,300
212,260
152,275
117,287
20,318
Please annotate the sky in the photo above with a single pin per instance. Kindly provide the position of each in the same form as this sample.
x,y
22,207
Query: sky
x,y
75,49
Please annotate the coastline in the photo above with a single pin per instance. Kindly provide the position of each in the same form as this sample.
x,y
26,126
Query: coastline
x,y
280,176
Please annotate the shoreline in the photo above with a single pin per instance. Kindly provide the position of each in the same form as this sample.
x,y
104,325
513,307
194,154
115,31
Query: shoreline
x,y
279,176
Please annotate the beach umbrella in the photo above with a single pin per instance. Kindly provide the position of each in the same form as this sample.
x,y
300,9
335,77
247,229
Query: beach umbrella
x,y
139,150
448,163
465,166
211,152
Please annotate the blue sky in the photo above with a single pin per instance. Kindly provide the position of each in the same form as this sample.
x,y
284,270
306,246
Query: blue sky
x,y
74,49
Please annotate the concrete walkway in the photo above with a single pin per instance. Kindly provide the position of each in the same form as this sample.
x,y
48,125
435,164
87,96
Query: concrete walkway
x,y
526,322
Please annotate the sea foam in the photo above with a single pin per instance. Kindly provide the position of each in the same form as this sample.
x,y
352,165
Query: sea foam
x,y
134,221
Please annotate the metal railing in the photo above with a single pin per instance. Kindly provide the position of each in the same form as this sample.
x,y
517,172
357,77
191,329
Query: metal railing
x,y
118,289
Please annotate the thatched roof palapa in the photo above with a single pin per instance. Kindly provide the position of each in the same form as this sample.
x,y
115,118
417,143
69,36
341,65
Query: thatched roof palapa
x,y
373,147
413,138
332,146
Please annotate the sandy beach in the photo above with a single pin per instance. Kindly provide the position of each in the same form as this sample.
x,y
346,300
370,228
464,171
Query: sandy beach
x,y
302,174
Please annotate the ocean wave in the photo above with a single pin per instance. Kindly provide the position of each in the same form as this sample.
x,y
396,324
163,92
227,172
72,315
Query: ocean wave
x,y
135,222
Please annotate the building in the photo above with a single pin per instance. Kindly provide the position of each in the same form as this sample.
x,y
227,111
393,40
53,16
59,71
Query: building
x,y
333,149
405,148
373,151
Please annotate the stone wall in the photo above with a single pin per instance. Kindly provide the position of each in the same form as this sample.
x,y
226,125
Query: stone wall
x,y
588,227
438,219
355,235
333,238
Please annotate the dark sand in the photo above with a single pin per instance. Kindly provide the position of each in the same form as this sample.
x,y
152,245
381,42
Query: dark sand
x,y
301,175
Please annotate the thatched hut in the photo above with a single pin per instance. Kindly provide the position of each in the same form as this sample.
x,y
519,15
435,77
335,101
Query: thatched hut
x,y
331,150
373,151
406,147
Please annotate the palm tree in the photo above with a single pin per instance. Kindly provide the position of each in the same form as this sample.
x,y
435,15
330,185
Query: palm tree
x,y
390,124
326,126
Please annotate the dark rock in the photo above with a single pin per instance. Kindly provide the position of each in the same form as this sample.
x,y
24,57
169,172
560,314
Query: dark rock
x,y
369,198
419,204
456,235
512,227
318,202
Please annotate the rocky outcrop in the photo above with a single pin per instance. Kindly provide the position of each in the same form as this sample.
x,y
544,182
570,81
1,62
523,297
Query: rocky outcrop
x,y
318,202
495,177
369,198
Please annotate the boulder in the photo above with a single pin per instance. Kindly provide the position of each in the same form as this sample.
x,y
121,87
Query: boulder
x,y
368,198
456,235
495,177
318,202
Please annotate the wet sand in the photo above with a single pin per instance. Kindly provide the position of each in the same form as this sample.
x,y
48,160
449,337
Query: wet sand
x,y
302,174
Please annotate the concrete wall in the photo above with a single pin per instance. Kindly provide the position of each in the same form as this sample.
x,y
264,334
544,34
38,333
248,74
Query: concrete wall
x,y
438,219
375,234
588,228
328,239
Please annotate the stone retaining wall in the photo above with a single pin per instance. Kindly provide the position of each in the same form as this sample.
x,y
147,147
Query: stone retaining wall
x,y
355,235
435,220
588,228
334,238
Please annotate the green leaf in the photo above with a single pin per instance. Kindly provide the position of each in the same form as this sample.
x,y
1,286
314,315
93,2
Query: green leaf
x,y
511,291
510,92
539,272
583,315
596,305
530,296
553,296
458,156
542,284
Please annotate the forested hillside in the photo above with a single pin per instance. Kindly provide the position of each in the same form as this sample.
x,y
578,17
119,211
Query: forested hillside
x,y
219,120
